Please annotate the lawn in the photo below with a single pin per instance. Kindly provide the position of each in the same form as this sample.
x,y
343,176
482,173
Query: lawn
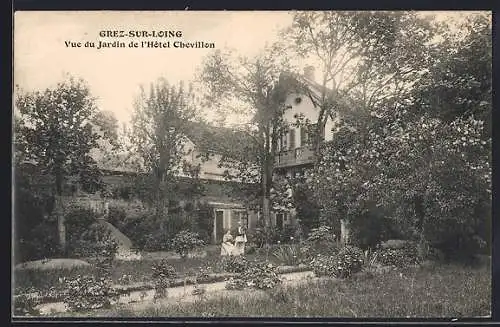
x,y
138,271
442,291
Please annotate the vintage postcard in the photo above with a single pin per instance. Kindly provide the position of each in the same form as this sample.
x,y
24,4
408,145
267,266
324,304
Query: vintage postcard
x,y
199,164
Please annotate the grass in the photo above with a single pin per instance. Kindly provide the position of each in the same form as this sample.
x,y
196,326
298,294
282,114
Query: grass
x,y
446,291
139,271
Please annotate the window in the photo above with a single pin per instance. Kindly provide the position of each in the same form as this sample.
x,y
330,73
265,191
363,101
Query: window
x,y
292,139
303,136
284,142
240,216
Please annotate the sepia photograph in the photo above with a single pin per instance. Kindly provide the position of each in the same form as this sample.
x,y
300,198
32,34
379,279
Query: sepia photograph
x,y
285,164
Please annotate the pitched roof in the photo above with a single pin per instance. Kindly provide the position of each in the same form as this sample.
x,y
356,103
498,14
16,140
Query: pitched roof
x,y
315,91
215,139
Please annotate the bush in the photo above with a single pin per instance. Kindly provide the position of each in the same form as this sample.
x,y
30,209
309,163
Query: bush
x,y
261,276
321,240
77,221
186,241
97,243
235,284
399,257
347,261
234,264
25,305
370,228
287,234
257,275
289,255
163,275
144,230
89,292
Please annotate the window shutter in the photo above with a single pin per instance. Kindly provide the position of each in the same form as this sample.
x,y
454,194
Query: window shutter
x,y
303,136
292,139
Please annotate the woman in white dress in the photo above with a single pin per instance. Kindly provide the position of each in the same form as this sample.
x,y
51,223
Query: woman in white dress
x,y
240,240
227,247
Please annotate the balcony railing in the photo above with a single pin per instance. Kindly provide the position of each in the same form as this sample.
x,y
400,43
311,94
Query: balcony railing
x,y
295,157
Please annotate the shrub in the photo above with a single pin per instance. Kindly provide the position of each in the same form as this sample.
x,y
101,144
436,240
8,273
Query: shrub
x,y
163,275
25,304
89,292
347,261
235,284
77,221
369,228
234,264
287,234
321,240
97,243
261,276
186,241
288,254
400,257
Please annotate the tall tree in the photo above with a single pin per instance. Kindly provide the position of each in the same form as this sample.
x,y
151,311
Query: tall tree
x,y
458,81
428,163
259,86
159,124
365,59
54,132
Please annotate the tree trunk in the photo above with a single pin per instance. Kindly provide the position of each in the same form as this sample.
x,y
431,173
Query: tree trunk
x,y
59,213
344,232
266,210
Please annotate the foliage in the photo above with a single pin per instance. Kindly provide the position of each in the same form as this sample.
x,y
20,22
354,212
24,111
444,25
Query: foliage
x,y
117,216
97,243
89,292
204,221
25,305
234,264
54,130
260,236
308,211
261,275
447,291
405,161
143,229
163,275
259,89
414,184
347,261
289,255
77,221
235,284
321,240
35,231
159,128
186,241
401,257
458,81
370,227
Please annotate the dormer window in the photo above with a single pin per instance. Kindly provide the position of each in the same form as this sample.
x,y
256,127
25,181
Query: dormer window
x,y
298,100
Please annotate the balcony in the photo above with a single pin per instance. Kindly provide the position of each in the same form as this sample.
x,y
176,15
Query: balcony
x,y
296,157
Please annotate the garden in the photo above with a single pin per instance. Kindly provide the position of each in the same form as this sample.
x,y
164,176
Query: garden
x,y
391,217
392,280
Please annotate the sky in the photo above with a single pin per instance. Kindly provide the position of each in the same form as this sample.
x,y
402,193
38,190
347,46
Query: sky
x,y
114,75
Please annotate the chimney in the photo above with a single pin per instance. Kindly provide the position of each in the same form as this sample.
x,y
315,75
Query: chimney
x,y
309,72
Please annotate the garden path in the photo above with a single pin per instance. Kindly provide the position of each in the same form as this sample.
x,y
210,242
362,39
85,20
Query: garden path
x,y
138,300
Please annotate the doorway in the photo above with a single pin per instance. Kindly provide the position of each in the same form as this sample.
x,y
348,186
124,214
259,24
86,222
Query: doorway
x,y
219,225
